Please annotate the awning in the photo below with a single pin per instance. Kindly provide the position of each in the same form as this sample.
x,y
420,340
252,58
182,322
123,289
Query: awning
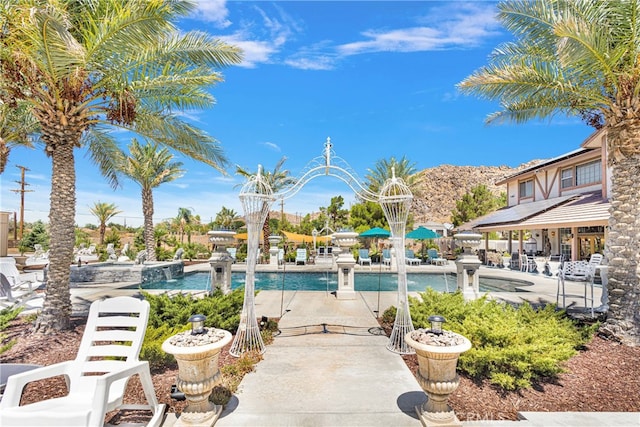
x,y
511,217
304,238
589,210
581,210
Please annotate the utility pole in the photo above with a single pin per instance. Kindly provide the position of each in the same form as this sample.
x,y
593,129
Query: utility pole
x,y
22,190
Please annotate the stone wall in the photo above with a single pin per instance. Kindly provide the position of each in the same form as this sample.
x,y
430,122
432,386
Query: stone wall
x,y
106,272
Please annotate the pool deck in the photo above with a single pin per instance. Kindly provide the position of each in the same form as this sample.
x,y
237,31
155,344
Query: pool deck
x,y
541,291
327,367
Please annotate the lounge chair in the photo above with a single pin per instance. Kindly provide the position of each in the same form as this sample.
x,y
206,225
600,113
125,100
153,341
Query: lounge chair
x,y
578,271
363,257
15,294
301,256
97,378
434,258
280,256
410,257
386,256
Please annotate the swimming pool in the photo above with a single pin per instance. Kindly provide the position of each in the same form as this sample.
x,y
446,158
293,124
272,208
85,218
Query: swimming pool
x,y
317,281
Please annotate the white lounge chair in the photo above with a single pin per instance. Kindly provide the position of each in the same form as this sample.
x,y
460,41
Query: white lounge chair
x,y
15,293
97,378
363,257
410,257
301,256
280,256
578,271
386,256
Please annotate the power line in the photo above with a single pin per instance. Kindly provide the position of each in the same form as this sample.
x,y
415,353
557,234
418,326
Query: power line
x,y
22,190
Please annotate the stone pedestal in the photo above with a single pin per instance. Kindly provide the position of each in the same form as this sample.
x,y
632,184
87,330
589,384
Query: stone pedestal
x,y
273,250
467,265
438,378
346,263
221,260
198,373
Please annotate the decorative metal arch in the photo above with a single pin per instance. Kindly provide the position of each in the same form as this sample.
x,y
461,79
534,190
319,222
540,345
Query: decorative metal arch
x,y
329,164
257,197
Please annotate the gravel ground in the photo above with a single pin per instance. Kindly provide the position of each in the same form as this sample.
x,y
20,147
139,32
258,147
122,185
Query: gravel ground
x,y
604,376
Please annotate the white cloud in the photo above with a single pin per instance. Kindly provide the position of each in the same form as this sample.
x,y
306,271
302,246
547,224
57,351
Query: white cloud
x,y
454,26
272,146
214,11
311,63
253,52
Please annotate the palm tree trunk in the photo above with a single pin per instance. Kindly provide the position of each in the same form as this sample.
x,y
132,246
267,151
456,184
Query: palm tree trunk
x,y
103,231
266,232
623,320
147,212
56,311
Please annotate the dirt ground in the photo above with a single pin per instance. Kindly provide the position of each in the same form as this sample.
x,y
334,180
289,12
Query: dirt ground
x,y
604,376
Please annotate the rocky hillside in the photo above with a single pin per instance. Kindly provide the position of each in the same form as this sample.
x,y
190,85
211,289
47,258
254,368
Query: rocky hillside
x,y
439,188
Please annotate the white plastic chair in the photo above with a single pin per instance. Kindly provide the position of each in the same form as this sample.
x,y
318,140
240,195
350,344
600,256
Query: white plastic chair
x,y
301,256
578,271
386,256
363,257
97,378
15,293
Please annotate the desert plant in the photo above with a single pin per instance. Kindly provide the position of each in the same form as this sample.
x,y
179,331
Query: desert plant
x,y
513,347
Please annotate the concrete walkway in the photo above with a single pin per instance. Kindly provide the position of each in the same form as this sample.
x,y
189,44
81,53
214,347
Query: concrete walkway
x,y
329,366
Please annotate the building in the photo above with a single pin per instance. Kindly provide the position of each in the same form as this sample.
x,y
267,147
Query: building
x,y
556,207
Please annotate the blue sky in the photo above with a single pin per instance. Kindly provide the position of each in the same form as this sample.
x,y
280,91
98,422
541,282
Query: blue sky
x,y
378,78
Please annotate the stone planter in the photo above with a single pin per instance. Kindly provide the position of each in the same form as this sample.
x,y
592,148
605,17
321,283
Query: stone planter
x,y
345,262
437,360
274,239
198,373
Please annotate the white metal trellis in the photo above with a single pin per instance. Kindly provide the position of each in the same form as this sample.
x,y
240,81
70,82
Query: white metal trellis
x,y
256,197
332,165
395,200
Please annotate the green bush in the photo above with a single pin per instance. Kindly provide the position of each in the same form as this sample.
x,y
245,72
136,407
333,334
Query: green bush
x,y
170,315
511,346
6,316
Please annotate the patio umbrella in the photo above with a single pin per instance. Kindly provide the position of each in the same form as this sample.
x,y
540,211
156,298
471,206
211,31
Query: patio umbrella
x,y
422,233
377,233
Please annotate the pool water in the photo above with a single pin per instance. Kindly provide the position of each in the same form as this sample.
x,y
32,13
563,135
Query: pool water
x,y
416,282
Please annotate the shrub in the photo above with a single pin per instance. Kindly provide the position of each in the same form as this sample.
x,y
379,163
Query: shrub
x,y
170,315
512,346
6,316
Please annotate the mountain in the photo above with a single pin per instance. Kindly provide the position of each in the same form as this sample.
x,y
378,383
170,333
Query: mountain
x,y
439,188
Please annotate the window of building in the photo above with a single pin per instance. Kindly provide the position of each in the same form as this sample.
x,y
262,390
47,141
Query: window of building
x,y
589,173
585,174
526,189
567,178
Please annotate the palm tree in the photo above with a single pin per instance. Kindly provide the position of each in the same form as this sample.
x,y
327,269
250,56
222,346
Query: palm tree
x,y
104,212
183,222
16,123
228,219
277,179
382,171
85,66
580,58
150,166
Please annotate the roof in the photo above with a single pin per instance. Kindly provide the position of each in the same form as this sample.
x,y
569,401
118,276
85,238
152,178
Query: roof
x,y
588,210
541,165
513,215
580,210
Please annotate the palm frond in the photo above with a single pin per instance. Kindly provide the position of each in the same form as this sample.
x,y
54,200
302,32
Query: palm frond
x,y
175,133
105,153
